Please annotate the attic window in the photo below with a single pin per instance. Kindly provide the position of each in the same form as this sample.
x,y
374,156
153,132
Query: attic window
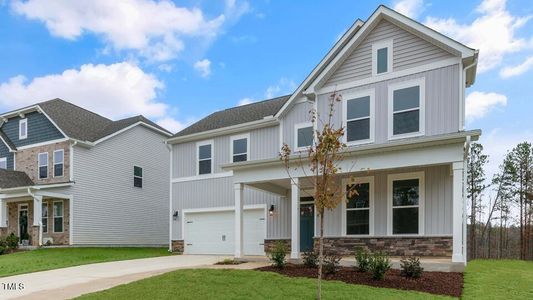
x,y
23,129
382,57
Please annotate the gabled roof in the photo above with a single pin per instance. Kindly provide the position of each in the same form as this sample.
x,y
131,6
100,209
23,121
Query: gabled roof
x,y
13,179
236,115
7,141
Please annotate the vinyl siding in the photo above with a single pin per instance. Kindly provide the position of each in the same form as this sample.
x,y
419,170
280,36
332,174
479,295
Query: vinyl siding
x,y
4,152
219,192
299,113
409,51
40,130
107,208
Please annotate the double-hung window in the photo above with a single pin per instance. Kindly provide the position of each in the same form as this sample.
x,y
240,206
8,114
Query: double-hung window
x,y
137,176
42,160
23,129
406,203
358,115
3,162
205,157
59,163
406,109
382,57
358,207
240,148
303,136
58,216
44,215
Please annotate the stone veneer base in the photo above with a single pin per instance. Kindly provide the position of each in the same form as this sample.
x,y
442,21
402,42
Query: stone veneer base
x,y
270,243
178,246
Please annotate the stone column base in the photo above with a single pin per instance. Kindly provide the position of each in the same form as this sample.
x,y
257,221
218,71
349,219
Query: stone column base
x,y
271,243
34,235
178,246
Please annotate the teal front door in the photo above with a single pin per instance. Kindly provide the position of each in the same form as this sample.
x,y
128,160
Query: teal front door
x,y
307,222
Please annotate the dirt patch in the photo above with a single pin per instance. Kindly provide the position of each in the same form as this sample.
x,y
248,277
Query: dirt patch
x,y
440,283
229,262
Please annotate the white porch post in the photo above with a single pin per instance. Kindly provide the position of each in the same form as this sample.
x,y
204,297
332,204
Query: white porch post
x,y
239,195
3,213
458,213
295,219
37,216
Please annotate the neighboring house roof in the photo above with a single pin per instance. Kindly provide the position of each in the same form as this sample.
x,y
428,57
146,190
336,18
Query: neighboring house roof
x,y
13,179
7,141
236,115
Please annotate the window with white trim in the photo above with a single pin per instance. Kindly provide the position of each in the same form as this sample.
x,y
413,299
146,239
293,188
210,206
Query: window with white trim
x,y
406,109
205,158
59,163
240,148
44,215
303,135
3,162
23,129
137,176
358,115
382,57
43,165
358,211
58,216
406,194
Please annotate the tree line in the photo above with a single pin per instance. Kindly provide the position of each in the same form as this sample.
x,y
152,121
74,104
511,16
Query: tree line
x,y
501,225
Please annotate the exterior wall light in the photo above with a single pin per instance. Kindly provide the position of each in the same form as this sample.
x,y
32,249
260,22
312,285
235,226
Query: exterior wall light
x,y
271,210
176,214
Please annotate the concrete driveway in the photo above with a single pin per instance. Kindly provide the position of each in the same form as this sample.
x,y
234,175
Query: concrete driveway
x,y
75,281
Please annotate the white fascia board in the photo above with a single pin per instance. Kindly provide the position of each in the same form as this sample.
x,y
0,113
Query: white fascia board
x,y
7,145
130,127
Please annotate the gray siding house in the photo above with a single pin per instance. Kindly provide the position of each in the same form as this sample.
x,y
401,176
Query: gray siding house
x,y
403,99
71,177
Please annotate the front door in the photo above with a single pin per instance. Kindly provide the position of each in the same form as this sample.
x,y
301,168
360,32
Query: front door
x,y
307,223
23,222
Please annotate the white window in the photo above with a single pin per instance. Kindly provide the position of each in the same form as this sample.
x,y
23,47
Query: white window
x,y
3,163
205,157
240,148
358,209
303,136
59,165
406,109
43,165
45,217
406,203
358,115
58,216
382,57
137,176
23,129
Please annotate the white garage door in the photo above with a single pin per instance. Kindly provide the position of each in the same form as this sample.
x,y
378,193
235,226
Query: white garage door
x,y
214,232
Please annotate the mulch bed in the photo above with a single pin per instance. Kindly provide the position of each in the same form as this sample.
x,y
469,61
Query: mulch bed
x,y
440,283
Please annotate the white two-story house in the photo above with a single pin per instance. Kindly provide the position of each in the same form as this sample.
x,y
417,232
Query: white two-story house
x,y
403,108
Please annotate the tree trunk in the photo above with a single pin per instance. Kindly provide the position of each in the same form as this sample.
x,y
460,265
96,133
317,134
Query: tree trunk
x,y
320,256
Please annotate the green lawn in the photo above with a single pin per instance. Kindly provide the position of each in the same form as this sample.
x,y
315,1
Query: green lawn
x,y
244,284
55,258
503,279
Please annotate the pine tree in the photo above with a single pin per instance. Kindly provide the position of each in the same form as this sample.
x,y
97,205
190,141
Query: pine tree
x,y
475,185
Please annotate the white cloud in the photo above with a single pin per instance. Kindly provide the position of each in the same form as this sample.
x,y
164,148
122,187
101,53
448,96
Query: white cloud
x,y
478,104
511,71
282,87
115,91
171,124
156,30
165,67
493,32
203,67
245,101
410,8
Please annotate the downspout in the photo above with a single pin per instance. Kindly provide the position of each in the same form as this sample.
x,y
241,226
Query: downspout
x,y
465,174
40,237
463,88
170,210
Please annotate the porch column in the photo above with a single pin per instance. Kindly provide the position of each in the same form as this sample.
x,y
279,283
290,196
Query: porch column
x,y
295,219
3,213
458,213
239,198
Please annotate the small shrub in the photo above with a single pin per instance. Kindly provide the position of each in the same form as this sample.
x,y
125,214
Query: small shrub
x,y
379,265
362,257
3,246
12,241
310,259
411,267
48,243
278,254
331,263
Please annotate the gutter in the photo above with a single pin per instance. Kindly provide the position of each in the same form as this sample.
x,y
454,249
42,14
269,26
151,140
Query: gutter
x,y
36,187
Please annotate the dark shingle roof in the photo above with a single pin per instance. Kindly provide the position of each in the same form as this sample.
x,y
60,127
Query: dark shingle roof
x,y
236,115
121,124
7,140
13,179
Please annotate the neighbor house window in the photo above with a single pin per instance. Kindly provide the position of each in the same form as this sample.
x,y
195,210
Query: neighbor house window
x,y
45,217
205,158
304,135
3,163
43,165
23,129
406,192
358,207
58,216
358,111
240,148
406,109
137,177
382,57
59,159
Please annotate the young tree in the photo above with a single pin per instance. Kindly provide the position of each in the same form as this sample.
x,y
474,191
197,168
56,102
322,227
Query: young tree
x,y
321,167
475,186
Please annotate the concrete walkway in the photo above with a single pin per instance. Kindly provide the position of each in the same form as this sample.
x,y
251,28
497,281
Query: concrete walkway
x,y
71,282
